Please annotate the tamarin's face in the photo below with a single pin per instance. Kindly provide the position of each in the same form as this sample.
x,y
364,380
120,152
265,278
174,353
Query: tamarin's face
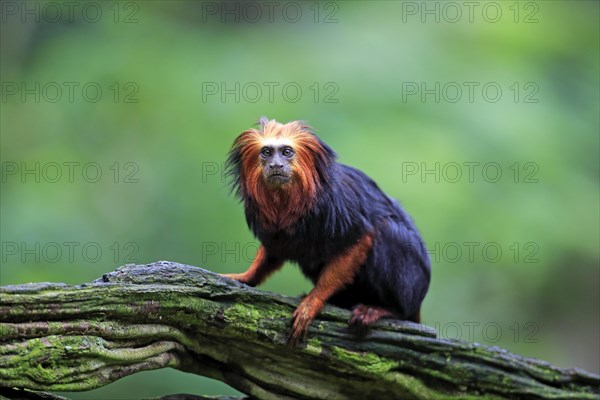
x,y
277,161
279,156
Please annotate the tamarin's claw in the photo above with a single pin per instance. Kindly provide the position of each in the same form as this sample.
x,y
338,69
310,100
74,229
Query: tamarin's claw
x,y
303,316
364,316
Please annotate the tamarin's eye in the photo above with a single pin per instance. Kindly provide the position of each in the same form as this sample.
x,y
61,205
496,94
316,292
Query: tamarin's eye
x,y
266,152
287,152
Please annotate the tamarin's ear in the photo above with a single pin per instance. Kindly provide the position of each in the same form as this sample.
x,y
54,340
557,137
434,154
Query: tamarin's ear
x,y
262,121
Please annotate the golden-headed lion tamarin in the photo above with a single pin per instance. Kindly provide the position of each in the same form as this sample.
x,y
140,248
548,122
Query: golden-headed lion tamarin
x,y
356,244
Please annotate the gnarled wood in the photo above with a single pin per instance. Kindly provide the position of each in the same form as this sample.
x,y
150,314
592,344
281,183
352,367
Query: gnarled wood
x,y
142,317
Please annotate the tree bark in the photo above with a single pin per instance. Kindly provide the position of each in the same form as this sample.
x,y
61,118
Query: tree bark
x,y
165,314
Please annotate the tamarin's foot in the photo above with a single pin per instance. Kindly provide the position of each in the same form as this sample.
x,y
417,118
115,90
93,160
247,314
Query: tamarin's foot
x,y
364,316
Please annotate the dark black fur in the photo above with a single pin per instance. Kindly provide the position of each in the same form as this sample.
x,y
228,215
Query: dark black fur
x,y
349,205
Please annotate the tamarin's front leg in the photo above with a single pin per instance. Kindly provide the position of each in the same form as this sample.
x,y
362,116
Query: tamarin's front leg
x,y
262,266
334,276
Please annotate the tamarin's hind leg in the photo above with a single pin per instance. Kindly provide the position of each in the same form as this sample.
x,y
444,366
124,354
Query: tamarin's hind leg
x,y
363,316
259,270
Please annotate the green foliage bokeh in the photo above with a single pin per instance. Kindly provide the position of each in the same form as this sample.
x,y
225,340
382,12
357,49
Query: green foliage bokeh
x,y
170,201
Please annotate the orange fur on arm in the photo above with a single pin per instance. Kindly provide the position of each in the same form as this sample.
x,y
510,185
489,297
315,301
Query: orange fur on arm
x,y
334,276
259,270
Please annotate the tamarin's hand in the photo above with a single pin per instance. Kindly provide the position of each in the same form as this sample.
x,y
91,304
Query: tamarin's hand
x,y
237,277
356,244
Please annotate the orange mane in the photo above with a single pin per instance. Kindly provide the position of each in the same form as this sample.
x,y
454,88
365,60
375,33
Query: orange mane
x,y
280,207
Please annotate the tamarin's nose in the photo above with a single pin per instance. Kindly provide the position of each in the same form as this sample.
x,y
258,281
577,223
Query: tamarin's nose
x,y
275,166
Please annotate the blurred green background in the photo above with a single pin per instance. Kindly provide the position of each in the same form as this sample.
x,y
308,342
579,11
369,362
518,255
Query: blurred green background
x,y
127,166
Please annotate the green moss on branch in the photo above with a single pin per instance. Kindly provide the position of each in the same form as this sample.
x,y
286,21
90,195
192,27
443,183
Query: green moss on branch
x,y
141,317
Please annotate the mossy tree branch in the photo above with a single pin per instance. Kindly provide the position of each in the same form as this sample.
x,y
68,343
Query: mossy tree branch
x,y
142,317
